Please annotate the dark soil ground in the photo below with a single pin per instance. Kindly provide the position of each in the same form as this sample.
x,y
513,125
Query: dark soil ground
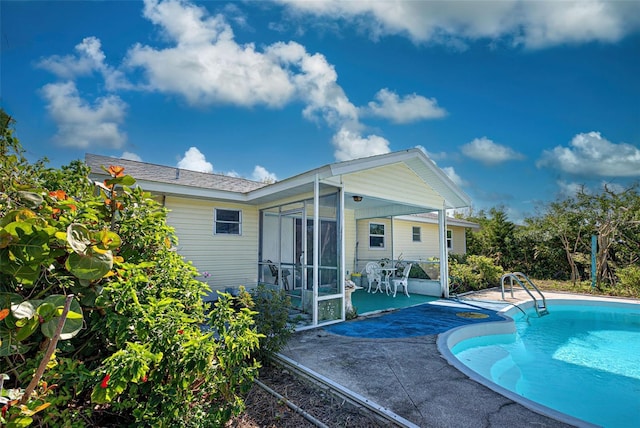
x,y
264,410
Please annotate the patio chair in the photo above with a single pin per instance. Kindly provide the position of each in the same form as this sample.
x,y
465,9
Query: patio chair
x,y
403,281
372,269
274,273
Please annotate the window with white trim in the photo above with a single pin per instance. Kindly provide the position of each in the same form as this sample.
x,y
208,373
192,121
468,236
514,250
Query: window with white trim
x,y
227,222
449,240
376,235
415,232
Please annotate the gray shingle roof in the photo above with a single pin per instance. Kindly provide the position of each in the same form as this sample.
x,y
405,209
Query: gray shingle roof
x,y
173,175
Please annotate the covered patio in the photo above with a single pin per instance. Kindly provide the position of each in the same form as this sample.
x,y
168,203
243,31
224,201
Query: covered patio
x,y
310,229
366,303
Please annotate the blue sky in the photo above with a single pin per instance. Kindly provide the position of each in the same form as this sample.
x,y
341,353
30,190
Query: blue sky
x,y
519,102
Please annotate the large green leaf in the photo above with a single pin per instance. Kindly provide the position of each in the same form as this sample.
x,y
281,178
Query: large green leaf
x,y
28,329
107,240
26,274
73,323
29,244
8,343
90,266
125,180
7,299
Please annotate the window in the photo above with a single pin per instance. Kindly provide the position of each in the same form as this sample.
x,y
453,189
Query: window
x,y
416,234
227,222
376,235
449,240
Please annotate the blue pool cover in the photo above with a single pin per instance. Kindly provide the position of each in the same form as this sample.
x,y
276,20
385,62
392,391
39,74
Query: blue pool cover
x,y
420,320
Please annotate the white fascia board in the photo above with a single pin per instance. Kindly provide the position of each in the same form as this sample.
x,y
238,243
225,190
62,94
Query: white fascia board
x,y
451,221
190,191
356,165
294,182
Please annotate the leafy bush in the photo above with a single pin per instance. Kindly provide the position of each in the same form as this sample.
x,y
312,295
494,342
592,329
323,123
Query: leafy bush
x,y
629,277
474,272
272,320
133,350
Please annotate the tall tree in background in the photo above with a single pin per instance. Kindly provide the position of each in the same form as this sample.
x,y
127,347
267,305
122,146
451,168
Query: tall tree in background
x,y
614,217
565,220
496,237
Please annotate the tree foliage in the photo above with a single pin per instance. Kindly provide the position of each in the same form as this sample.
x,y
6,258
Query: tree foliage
x,y
134,349
557,243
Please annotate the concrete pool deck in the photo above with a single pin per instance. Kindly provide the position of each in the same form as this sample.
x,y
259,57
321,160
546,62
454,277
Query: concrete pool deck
x,y
409,379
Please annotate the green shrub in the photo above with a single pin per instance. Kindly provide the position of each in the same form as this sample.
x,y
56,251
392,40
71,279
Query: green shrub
x,y
629,277
486,268
474,273
133,351
272,320
418,272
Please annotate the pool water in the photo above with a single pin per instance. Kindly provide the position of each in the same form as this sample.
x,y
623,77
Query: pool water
x,y
583,361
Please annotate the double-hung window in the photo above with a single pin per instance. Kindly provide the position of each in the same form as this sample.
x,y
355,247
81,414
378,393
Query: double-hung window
x,y
227,222
449,240
416,234
376,235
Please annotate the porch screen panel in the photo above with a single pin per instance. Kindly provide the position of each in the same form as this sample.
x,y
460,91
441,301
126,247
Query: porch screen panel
x,y
328,246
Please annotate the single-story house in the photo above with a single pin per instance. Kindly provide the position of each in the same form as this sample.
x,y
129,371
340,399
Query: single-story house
x,y
243,233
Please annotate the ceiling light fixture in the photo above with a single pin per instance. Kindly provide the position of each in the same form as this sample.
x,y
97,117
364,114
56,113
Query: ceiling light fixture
x,y
357,198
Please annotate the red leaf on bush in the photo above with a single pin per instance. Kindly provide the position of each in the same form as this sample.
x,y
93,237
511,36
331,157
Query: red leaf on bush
x,y
58,194
105,380
116,171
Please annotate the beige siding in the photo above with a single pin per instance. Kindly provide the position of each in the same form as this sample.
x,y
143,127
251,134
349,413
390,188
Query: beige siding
x,y
403,244
403,240
366,253
394,182
350,241
231,260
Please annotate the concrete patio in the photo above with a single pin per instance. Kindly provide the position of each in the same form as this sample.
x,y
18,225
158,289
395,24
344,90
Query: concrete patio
x,y
409,380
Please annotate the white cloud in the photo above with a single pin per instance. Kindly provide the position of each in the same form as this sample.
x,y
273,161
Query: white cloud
x,y
590,154
204,65
351,145
89,58
261,174
552,23
486,151
130,156
410,108
535,24
451,173
80,124
194,160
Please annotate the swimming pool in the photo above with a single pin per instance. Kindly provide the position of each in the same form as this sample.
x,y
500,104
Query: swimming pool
x,y
579,364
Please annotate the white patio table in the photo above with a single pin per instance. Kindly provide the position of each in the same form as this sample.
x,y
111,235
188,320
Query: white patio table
x,y
385,273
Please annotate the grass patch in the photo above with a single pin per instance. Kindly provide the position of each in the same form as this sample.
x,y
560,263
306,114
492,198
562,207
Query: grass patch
x,y
584,287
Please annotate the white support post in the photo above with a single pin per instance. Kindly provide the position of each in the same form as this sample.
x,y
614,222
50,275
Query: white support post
x,y
316,246
343,256
444,254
